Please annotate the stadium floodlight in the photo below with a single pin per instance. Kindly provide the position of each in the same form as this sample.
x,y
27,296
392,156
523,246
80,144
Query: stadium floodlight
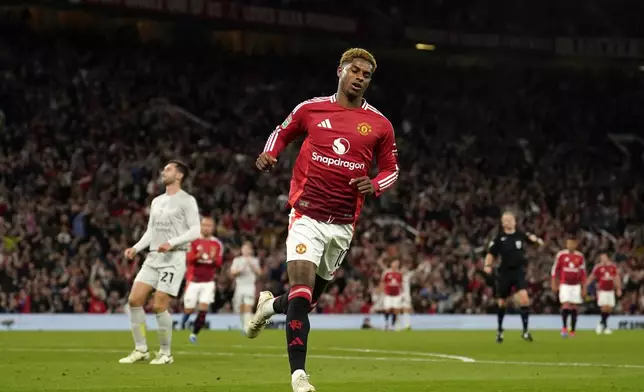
x,y
421,46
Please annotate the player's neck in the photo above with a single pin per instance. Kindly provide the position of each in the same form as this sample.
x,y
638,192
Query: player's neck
x,y
348,102
172,189
507,231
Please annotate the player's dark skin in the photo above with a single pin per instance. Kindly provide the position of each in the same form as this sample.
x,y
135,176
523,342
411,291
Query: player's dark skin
x,y
353,80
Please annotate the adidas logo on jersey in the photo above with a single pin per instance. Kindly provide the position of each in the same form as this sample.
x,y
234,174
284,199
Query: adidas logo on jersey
x,y
325,124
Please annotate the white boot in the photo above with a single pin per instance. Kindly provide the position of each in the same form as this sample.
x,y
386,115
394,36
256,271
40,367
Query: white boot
x,y
262,315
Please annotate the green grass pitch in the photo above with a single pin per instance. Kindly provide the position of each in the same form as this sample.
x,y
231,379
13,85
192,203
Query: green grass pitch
x,y
356,361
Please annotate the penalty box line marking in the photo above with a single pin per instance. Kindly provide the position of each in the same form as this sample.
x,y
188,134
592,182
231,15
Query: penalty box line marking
x,y
225,354
341,357
375,351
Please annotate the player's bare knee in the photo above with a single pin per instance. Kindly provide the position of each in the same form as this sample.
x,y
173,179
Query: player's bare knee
x,y
159,307
161,302
501,302
136,299
301,272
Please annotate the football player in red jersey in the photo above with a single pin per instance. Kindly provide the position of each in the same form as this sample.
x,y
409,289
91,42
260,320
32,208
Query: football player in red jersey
x,y
609,283
569,280
391,282
329,184
205,256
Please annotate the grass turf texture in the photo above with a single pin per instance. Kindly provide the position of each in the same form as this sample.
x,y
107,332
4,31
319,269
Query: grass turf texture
x,y
338,362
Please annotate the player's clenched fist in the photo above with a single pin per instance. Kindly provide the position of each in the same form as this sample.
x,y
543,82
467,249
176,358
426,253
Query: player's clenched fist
x,y
165,247
130,253
265,162
363,184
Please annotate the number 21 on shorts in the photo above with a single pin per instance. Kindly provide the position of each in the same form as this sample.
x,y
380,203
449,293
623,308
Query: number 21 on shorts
x,y
167,277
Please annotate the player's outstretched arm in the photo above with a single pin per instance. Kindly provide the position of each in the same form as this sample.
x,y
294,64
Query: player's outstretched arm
x,y
535,240
489,263
387,159
283,134
492,253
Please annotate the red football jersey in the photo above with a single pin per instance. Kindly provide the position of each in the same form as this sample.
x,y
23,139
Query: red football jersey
x,y
569,267
340,145
393,281
605,274
205,255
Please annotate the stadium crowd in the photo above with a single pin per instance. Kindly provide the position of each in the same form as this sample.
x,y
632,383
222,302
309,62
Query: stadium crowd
x,y
88,125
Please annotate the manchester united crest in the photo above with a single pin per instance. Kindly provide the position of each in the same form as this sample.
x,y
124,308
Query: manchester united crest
x,y
364,128
300,249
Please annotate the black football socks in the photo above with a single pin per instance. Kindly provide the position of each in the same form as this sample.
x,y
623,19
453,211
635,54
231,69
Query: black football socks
x,y
199,322
564,317
500,314
525,316
298,326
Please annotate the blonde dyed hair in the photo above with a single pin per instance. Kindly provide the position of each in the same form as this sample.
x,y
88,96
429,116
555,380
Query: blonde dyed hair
x,y
358,53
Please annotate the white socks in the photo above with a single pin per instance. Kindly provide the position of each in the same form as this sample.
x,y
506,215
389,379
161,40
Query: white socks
x,y
406,320
164,320
137,325
245,318
268,310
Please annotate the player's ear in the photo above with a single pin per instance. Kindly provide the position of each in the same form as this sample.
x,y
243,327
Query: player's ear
x,y
339,71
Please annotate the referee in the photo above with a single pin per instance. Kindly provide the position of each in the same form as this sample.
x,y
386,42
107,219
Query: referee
x,y
509,244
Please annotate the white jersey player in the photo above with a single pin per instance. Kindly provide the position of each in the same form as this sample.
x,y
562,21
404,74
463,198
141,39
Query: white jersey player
x,y
245,270
172,226
407,309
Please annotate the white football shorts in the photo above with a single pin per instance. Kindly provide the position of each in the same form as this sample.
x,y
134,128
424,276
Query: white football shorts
x,y
570,294
167,277
323,244
606,298
393,302
243,296
198,293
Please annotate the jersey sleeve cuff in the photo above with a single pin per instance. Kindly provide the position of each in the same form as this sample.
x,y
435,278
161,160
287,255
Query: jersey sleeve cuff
x,y
376,189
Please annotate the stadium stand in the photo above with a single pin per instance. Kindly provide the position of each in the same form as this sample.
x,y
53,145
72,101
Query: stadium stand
x,y
87,125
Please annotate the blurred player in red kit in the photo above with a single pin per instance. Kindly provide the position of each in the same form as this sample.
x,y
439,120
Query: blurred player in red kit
x,y
569,279
329,184
392,282
204,257
609,283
